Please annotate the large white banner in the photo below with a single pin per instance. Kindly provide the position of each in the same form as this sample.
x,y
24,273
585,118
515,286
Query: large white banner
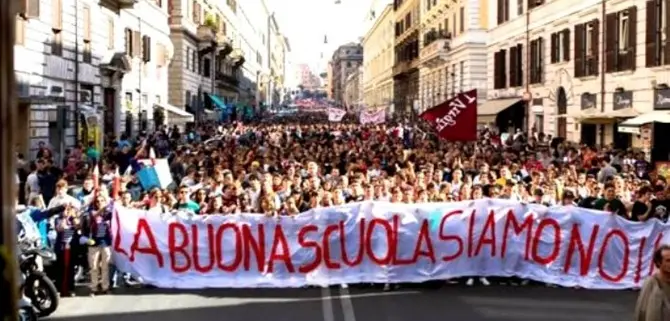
x,y
383,242
335,114
372,117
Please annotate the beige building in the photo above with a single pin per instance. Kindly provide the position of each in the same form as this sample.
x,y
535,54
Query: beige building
x,y
406,63
377,82
353,89
452,49
205,70
584,79
346,60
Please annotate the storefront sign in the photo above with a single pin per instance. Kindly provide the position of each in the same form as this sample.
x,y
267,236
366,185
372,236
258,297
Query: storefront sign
x,y
662,98
589,100
622,99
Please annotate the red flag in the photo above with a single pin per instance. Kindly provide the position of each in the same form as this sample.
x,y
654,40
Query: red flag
x,y
456,118
116,184
96,179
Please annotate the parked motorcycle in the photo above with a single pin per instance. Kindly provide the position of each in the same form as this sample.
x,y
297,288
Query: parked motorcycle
x,y
26,309
37,287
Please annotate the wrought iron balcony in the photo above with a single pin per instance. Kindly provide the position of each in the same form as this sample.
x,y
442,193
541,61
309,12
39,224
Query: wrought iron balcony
x,y
436,47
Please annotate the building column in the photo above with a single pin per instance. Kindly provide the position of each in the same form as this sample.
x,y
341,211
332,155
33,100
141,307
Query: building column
x,y
8,119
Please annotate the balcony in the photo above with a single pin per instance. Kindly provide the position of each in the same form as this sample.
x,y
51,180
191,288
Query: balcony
x,y
206,33
400,67
436,46
118,4
230,79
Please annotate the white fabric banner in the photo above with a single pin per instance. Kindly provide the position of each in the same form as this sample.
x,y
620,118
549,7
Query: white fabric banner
x,y
383,242
335,114
373,117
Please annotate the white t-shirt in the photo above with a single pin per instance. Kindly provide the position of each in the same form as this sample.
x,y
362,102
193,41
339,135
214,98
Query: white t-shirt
x,y
32,183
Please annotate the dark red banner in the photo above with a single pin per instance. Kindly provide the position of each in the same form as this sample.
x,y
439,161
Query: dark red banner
x,y
456,118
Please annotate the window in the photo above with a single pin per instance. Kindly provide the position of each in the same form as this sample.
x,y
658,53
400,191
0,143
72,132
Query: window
x,y
110,33
499,69
429,3
623,31
29,9
620,40
560,46
536,61
586,48
187,59
408,21
146,48
657,37
206,67
57,27
534,4
519,8
187,98
589,40
462,19
453,28
516,66
194,61
87,55
197,12
502,11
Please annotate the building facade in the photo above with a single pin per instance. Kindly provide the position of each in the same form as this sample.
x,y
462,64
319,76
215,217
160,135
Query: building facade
x,y
353,89
252,44
99,56
453,49
206,68
406,65
378,45
346,60
278,58
329,80
585,68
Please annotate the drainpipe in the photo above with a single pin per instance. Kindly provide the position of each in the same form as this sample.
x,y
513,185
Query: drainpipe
x,y
527,95
76,76
141,72
603,17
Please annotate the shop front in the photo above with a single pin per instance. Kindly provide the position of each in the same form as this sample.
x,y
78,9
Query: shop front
x,y
603,125
651,130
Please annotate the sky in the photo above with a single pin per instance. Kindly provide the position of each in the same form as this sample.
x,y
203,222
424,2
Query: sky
x,y
306,22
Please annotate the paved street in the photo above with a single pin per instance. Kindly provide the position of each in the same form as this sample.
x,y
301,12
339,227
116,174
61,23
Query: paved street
x,y
457,303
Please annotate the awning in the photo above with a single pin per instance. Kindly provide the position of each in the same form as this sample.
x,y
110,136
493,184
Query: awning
x,y
656,116
217,101
180,113
487,112
595,116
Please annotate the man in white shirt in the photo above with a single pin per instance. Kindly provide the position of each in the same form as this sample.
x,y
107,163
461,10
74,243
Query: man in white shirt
x,y
32,182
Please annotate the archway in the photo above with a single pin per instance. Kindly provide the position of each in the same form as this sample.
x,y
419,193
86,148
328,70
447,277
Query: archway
x,y
561,111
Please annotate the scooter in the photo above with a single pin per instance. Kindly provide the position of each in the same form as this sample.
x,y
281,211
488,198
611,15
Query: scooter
x,y
37,287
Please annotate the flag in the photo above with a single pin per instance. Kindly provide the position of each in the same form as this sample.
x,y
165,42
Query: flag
x,y
96,179
335,115
152,156
456,118
116,184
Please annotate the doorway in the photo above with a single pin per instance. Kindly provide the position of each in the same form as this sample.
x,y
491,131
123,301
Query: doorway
x,y
622,141
589,134
109,99
659,151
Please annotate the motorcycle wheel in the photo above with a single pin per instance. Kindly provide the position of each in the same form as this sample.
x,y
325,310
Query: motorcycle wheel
x,y
42,293
27,314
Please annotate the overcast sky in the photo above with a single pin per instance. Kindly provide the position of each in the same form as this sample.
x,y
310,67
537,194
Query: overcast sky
x,y
306,22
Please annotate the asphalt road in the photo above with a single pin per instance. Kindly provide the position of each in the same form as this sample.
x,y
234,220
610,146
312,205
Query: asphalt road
x,y
451,302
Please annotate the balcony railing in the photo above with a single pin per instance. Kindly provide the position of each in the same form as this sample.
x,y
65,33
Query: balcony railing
x,y
433,35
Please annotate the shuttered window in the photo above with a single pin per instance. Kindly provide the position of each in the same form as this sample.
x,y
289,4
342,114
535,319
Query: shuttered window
x,y
29,8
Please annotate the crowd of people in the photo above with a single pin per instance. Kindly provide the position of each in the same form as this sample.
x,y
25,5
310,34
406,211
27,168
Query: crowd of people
x,y
297,163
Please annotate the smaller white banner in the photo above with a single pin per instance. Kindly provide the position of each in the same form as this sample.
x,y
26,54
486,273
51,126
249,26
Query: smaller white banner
x,y
336,115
